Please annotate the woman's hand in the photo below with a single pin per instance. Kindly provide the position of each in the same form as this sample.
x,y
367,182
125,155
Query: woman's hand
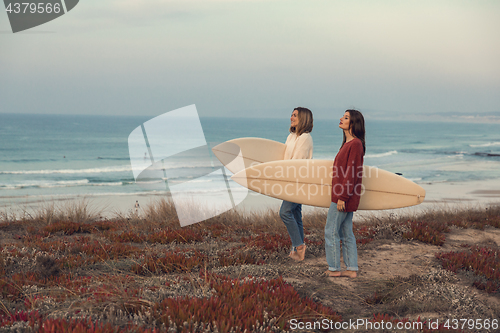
x,y
341,205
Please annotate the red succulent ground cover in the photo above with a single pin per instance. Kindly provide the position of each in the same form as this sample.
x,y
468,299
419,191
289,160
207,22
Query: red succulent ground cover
x,y
364,233
430,233
484,262
69,228
35,321
433,232
169,263
269,242
51,267
241,304
151,275
165,236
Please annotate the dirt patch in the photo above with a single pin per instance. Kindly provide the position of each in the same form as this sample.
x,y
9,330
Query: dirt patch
x,y
403,279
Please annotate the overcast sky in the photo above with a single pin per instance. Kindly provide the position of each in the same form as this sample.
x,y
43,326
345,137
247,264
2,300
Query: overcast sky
x,y
256,58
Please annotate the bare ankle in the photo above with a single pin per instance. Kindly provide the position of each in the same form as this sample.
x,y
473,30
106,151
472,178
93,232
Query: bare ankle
x,y
349,274
330,273
299,254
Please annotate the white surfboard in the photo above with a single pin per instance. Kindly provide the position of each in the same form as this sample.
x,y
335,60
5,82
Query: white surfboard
x,y
385,191
253,151
309,182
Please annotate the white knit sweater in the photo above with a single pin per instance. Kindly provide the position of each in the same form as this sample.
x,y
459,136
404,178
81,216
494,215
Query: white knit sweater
x,y
298,147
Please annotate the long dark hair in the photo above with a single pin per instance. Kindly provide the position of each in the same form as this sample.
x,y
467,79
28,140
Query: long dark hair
x,y
305,124
356,126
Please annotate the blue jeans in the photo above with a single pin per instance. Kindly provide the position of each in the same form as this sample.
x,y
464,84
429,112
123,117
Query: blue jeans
x,y
291,215
339,227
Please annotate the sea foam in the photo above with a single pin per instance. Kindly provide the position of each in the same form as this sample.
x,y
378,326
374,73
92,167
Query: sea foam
x,y
389,153
489,144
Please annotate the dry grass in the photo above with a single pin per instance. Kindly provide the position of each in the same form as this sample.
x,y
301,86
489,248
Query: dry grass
x,y
65,268
445,215
79,211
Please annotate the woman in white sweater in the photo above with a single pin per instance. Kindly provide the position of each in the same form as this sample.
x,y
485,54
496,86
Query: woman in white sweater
x,y
299,145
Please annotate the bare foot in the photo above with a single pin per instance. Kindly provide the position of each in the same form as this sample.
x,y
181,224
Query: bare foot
x,y
330,273
300,254
349,274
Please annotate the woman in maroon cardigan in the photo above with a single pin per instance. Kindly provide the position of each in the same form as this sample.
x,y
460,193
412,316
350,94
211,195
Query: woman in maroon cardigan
x,y
346,191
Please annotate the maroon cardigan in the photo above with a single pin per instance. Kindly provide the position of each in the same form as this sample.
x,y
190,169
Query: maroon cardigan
x,y
348,174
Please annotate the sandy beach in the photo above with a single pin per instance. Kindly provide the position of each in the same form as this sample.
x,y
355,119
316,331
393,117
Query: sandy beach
x,y
447,194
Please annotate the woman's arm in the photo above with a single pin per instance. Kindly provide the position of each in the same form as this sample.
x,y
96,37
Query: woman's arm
x,y
353,171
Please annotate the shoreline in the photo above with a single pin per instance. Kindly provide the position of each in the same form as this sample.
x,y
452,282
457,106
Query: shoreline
x,y
452,195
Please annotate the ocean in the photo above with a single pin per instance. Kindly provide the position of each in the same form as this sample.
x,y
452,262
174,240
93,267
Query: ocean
x,y
45,157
